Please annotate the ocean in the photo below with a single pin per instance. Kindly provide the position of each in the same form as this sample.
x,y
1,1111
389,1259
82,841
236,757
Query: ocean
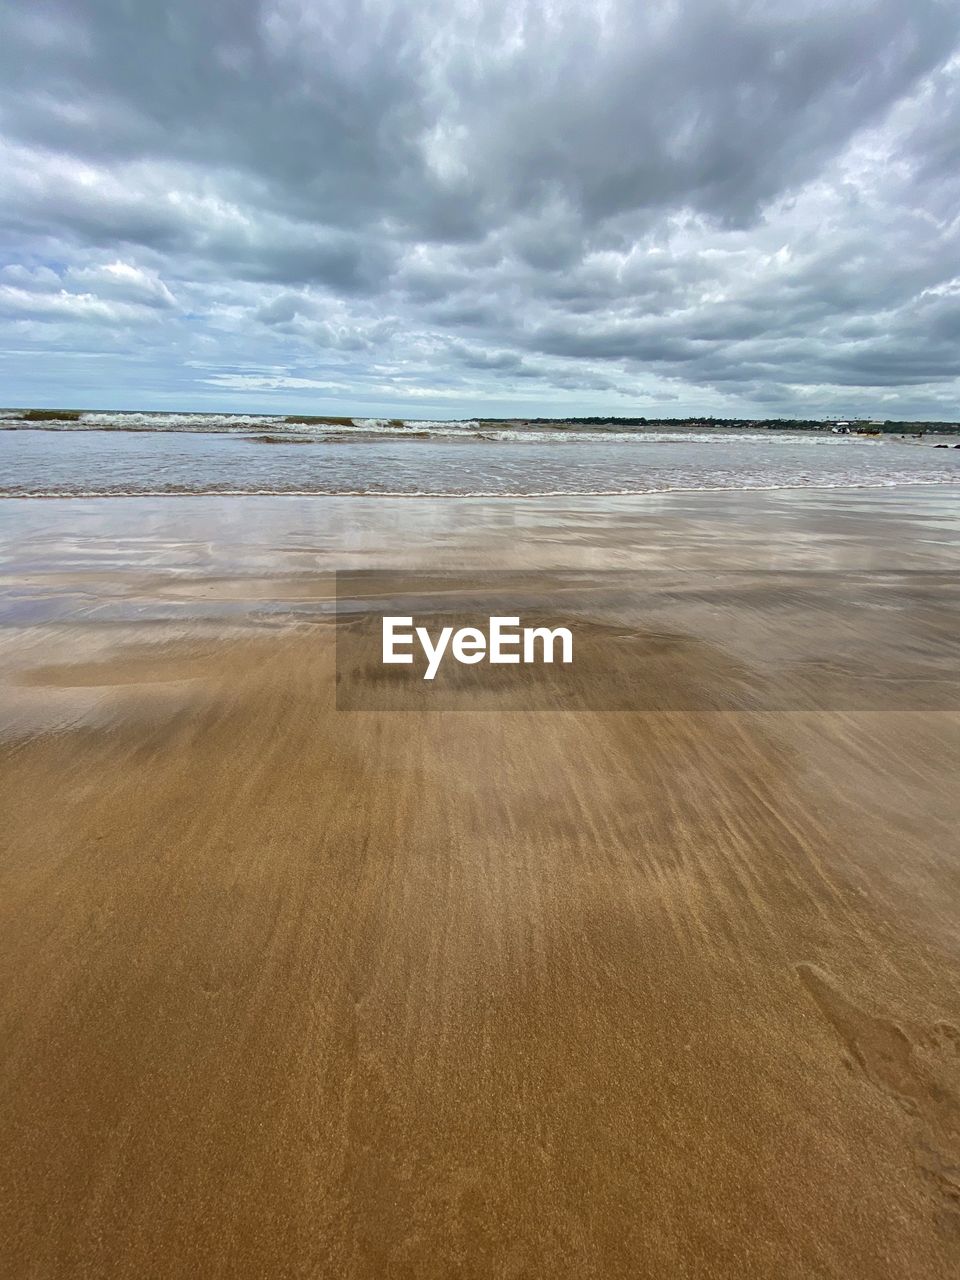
x,y
154,454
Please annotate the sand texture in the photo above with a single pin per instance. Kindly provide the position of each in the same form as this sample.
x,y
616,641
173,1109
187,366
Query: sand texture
x,y
293,992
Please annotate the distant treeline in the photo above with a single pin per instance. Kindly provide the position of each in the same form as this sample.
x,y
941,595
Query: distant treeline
x,y
898,427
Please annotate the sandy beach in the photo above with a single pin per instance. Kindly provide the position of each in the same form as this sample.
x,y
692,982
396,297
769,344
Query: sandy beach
x,y
292,991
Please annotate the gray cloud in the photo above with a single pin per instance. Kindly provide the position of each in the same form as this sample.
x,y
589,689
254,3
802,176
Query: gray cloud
x,y
446,206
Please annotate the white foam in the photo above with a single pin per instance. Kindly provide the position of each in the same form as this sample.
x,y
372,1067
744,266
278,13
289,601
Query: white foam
x,y
465,493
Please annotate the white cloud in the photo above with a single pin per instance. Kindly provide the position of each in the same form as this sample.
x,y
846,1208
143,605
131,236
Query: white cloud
x,y
710,204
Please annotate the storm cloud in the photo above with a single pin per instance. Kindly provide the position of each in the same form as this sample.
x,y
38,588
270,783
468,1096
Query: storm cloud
x,y
447,207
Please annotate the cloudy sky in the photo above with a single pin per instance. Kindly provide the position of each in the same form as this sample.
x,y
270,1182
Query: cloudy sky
x,y
439,208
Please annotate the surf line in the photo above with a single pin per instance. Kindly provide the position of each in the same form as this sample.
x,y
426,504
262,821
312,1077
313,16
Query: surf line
x,y
503,642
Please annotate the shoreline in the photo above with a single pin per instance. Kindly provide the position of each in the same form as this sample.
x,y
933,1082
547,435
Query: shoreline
x,y
486,496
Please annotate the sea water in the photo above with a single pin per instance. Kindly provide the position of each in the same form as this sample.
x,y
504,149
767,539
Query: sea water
x,y
141,454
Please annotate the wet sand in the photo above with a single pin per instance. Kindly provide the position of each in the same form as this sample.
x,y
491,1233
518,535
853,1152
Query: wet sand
x,y
289,991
